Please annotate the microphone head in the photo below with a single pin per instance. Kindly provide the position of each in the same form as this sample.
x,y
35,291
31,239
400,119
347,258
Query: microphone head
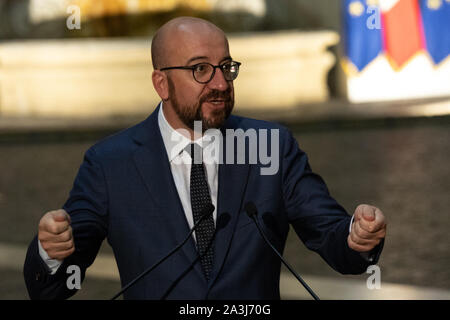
x,y
250,208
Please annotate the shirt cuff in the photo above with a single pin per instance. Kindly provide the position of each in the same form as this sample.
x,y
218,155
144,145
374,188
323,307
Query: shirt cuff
x,y
52,264
350,226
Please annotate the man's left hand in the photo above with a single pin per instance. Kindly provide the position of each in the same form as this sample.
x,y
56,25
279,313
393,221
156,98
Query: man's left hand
x,y
368,228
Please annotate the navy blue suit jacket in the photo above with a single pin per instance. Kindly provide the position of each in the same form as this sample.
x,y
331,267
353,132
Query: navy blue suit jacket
x,y
124,192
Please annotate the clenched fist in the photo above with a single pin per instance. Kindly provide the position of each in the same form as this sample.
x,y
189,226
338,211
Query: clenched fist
x,y
55,234
368,228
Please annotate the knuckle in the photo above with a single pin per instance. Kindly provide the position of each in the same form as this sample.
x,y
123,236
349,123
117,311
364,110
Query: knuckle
x,y
69,245
349,242
361,232
65,236
355,246
41,237
45,245
356,239
365,234
44,222
41,224
370,228
52,228
53,255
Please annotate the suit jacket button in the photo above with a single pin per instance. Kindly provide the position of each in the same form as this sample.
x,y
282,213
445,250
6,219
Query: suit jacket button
x,y
38,276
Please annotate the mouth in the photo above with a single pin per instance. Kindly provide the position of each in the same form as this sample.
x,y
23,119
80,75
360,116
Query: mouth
x,y
217,102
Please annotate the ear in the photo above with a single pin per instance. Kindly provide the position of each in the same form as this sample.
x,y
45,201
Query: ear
x,y
160,84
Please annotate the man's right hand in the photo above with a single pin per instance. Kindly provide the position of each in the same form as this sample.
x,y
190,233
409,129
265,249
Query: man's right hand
x,y
55,234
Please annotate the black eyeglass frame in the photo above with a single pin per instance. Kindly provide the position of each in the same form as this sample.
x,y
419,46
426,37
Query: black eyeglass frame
x,y
220,66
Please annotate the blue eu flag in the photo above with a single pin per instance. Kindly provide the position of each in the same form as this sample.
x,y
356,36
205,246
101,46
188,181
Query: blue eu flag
x,y
362,32
436,25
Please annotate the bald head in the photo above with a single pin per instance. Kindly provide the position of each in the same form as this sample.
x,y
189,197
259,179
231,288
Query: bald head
x,y
170,38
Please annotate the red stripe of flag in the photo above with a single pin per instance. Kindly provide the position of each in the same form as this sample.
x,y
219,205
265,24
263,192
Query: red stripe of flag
x,y
402,31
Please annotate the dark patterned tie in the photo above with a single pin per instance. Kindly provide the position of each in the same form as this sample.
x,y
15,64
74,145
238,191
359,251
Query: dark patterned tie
x,y
200,197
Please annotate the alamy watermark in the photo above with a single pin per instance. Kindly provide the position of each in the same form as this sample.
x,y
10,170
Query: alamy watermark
x,y
251,146
374,20
74,20
74,280
374,280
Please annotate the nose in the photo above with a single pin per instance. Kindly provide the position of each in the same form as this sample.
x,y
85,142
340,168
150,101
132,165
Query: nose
x,y
218,82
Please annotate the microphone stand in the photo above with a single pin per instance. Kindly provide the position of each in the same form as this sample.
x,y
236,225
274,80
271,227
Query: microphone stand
x,y
251,212
209,209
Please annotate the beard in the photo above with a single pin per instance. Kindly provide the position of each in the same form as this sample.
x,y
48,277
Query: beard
x,y
188,114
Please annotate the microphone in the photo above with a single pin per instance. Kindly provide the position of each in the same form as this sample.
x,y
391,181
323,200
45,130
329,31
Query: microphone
x,y
207,210
222,221
251,210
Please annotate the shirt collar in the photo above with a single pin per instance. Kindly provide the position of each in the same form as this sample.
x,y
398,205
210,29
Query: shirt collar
x,y
174,141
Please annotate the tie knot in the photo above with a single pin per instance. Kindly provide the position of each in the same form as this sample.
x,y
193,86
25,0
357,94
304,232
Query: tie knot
x,y
196,152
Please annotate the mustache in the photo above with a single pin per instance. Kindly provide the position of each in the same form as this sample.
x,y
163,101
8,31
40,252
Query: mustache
x,y
217,95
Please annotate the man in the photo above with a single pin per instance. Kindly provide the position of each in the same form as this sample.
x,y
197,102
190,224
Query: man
x,y
141,190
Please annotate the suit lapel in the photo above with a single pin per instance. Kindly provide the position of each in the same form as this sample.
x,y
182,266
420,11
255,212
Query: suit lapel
x,y
153,165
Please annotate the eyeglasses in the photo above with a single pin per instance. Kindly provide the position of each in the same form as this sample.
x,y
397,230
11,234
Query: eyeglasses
x,y
204,72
